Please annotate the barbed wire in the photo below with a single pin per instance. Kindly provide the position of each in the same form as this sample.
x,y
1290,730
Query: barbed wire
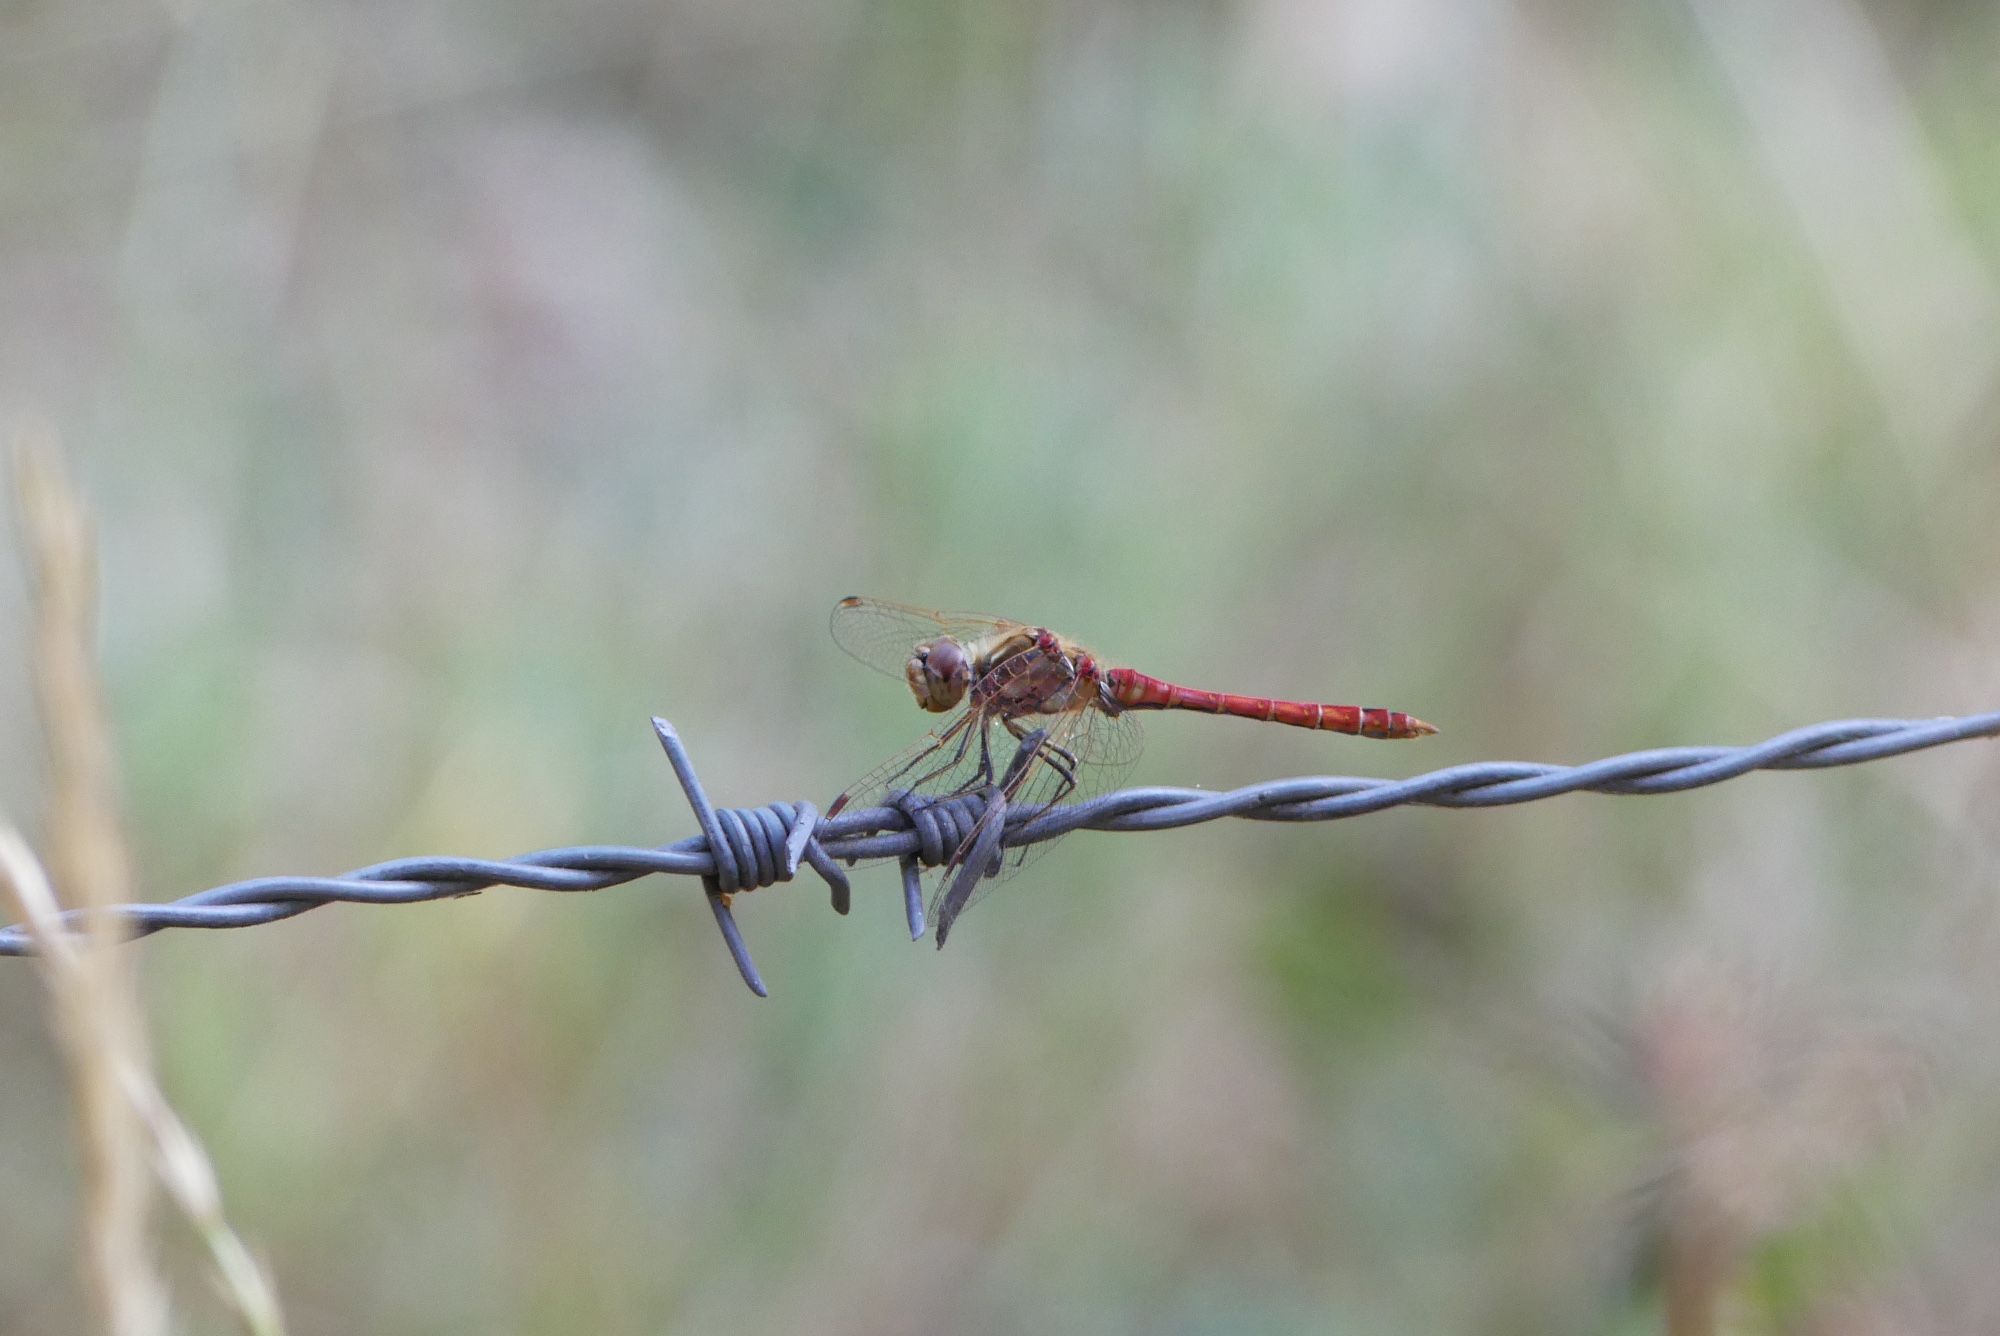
x,y
743,849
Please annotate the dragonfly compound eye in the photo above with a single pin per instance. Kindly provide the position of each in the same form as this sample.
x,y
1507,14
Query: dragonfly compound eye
x,y
938,674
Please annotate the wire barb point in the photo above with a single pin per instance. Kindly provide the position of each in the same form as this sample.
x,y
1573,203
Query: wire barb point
x,y
913,896
740,850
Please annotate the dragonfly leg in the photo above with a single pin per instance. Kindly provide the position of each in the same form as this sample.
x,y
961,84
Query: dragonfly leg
x,y
1066,777
1061,759
1032,745
959,727
985,757
890,781
993,816
958,754
979,853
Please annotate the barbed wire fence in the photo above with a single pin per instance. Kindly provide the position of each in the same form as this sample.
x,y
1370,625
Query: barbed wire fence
x,y
742,849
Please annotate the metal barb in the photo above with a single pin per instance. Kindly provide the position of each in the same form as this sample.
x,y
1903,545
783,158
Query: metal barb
x,y
977,855
750,849
913,896
719,850
972,861
742,849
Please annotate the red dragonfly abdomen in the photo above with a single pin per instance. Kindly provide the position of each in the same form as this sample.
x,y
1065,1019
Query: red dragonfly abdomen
x,y
1136,691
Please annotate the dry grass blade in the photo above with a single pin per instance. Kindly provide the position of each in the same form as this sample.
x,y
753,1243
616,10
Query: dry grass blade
x,y
93,991
126,1127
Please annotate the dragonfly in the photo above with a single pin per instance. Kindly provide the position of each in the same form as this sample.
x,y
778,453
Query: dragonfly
x,y
1031,719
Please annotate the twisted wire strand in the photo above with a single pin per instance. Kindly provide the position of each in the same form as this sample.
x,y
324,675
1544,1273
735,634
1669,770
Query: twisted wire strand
x,y
744,849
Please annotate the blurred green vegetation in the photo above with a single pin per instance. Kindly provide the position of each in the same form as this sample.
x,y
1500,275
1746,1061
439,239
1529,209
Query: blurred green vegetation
x,y
457,385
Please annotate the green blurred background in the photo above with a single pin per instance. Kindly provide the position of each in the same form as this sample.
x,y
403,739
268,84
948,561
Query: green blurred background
x,y
458,384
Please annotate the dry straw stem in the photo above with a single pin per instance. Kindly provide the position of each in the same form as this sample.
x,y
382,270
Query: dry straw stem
x,y
126,1128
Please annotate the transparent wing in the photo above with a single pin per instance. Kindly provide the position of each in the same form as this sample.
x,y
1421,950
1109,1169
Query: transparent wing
x,y
1075,753
966,752
881,634
1085,753
1109,742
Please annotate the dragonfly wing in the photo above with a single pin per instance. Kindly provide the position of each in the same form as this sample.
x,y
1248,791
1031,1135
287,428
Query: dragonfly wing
x,y
1071,754
968,751
1086,752
957,756
1082,753
1109,742
882,634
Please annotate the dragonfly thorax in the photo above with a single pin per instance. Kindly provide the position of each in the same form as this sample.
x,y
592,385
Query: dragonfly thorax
x,y
939,671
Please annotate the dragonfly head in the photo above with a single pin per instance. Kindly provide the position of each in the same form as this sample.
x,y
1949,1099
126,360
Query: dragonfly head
x,y
939,673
